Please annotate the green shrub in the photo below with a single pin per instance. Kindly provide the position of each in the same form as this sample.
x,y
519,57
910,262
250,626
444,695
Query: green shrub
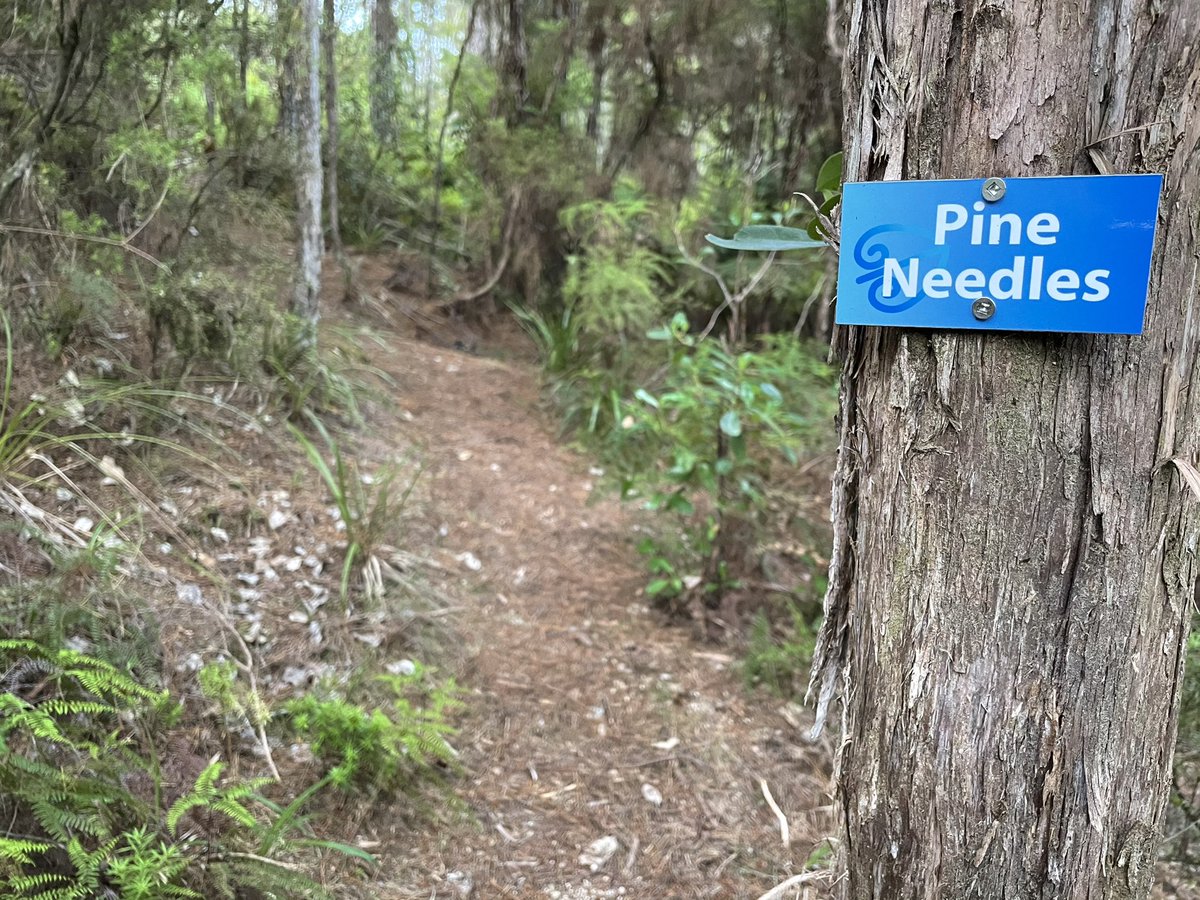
x,y
718,422
306,379
387,747
614,283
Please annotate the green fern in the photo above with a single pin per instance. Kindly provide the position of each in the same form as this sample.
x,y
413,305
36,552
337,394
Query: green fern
x,y
73,730
206,794
21,852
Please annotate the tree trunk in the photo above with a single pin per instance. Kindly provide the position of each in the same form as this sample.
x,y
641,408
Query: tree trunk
x,y
242,110
570,11
382,84
1015,553
243,52
289,78
328,43
596,48
516,61
308,171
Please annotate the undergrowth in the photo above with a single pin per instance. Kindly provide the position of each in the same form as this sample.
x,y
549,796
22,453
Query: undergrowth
x,y
96,797
394,745
369,506
779,652
92,805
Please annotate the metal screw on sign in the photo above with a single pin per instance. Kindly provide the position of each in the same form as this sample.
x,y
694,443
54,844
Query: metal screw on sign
x,y
993,189
983,308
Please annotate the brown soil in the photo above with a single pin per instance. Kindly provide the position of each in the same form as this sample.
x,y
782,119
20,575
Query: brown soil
x,y
585,706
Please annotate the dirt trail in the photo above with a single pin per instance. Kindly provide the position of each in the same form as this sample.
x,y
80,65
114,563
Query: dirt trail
x,y
589,716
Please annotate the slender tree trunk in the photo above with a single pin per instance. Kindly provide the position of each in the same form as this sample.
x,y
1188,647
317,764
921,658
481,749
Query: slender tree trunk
x,y
288,76
1015,552
243,52
570,11
210,111
237,127
596,54
382,94
516,62
328,45
305,298
440,172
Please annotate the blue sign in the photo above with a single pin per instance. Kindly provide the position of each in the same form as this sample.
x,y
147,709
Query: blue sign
x,y
1018,254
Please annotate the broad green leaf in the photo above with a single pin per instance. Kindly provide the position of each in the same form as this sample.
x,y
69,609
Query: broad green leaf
x,y
829,179
771,391
766,237
731,424
685,462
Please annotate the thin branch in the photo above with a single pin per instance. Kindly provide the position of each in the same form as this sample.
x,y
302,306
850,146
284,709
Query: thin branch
x,y
153,212
501,266
732,299
777,892
818,291
695,263
89,238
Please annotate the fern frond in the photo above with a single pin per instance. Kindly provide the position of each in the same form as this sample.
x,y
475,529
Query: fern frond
x,y
21,851
47,885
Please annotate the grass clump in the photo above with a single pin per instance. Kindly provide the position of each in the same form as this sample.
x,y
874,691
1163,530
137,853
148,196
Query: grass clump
x,y
369,506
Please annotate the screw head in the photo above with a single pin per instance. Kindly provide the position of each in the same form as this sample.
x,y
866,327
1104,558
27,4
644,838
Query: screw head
x,y
993,189
983,308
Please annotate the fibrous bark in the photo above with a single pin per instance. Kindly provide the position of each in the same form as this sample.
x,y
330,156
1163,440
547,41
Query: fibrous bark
x,y
1015,559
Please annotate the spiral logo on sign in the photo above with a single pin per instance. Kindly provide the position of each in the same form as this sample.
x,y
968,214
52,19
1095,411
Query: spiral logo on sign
x,y
870,255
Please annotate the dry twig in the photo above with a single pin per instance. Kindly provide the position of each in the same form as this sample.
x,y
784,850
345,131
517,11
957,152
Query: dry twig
x,y
777,892
784,831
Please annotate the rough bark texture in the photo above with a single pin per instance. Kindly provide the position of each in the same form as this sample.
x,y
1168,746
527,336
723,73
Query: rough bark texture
x,y
308,170
332,129
1015,559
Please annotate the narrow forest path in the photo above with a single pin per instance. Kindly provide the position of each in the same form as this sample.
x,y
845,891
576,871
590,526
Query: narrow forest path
x,y
589,717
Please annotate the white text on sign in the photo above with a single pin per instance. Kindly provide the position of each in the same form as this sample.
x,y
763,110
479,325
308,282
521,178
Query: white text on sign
x,y
1025,279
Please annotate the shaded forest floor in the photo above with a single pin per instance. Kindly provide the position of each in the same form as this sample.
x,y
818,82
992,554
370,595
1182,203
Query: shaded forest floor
x,y
594,725
591,721
605,751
